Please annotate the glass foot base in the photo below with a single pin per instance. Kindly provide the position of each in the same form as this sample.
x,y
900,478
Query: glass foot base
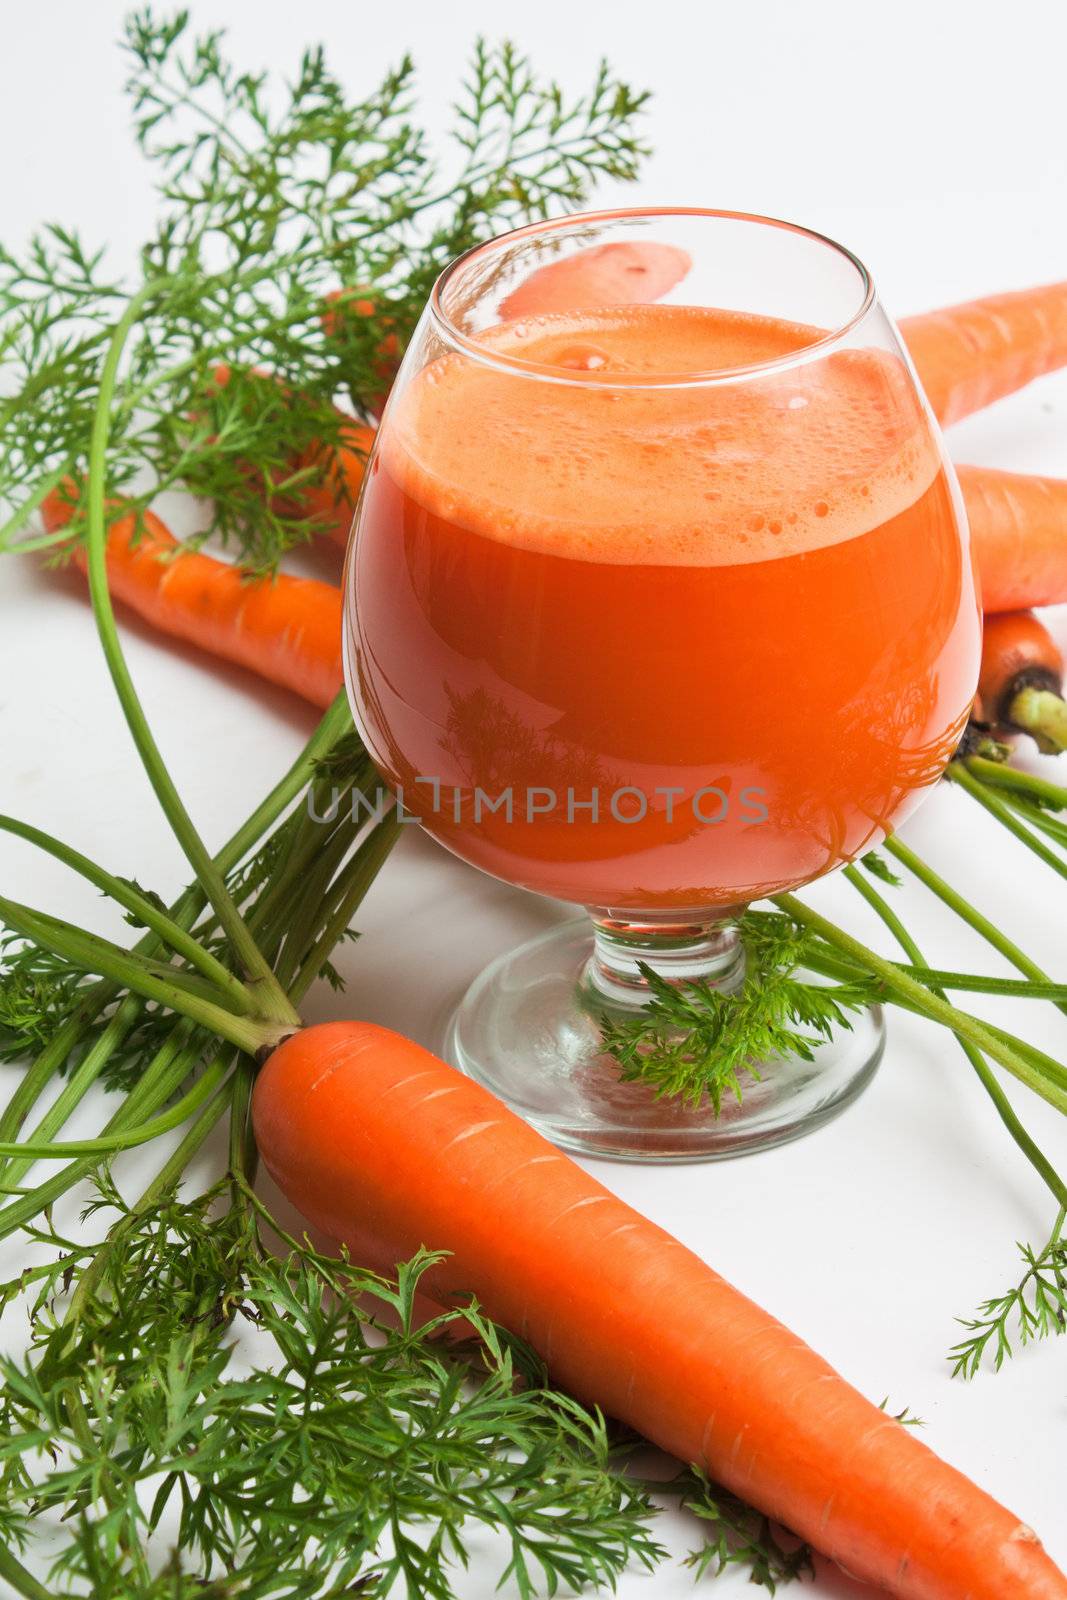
x,y
525,1032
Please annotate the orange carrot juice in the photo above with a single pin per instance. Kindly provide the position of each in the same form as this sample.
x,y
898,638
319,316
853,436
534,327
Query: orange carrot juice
x,y
644,642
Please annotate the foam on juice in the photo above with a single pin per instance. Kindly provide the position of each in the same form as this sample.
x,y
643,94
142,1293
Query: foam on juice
x,y
598,436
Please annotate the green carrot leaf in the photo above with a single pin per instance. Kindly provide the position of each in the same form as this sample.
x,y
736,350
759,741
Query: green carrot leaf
x,y
879,867
1035,1308
271,195
737,1536
694,1040
351,1450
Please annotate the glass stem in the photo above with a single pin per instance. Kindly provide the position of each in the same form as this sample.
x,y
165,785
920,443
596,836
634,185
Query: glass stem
x,y
677,946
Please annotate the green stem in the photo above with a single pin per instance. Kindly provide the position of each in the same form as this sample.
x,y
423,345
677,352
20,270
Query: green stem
x,y
1005,777
1036,816
1004,814
939,978
1038,1160
972,983
75,1088
864,887
1043,714
336,722
965,910
244,947
167,1071
161,923
242,1149
300,925
94,954
823,959
34,546
188,982
171,1170
334,725
355,883
25,511
21,1581
139,1134
899,984
1042,1062
308,873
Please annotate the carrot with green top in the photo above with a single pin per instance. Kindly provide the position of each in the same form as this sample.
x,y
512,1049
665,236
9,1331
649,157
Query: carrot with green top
x,y
386,1148
1021,682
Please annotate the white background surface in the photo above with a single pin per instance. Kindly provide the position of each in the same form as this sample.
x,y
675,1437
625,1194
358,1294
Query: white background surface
x,y
928,137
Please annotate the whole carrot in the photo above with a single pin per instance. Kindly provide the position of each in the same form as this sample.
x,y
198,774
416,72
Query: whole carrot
x,y
972,354
1021,681
387,1148
1019,528
284,628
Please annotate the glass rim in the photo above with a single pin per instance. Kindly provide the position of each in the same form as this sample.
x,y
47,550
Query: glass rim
x,y
486,356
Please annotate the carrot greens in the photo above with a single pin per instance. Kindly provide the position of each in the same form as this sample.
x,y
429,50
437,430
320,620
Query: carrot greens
x,y
1036,1308
347,1449
270,197
695,1040
356,1445
739,1536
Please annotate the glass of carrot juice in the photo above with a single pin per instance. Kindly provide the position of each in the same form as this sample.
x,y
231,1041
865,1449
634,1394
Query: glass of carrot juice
x,y
658,600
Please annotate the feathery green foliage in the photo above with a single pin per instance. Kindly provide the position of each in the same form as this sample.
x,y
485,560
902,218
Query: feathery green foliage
x,y
270,197
360,1447
1035,1308
695,1040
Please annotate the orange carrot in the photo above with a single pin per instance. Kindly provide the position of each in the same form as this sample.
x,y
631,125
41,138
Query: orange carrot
x,y
1016,646
386,1148
624,273
1019,528
972,354
1020,685
284,628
